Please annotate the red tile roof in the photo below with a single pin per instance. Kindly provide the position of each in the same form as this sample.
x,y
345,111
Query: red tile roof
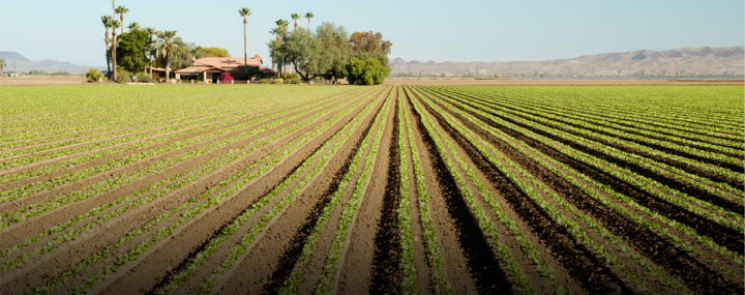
x,y
221,64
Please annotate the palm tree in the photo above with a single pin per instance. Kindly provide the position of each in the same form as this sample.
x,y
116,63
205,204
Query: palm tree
x,y
133,27
149,50
114,24
245,12
280,31
106,20
2,66
309,15
168,45
121,10
296,17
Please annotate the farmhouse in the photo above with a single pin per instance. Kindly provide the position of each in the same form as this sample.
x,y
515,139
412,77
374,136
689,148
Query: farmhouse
x,y
210,68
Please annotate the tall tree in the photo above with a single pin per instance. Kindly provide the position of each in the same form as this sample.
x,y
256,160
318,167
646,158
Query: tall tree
x,y
370,42
129,51
296,17
106,20
168,45
114,24
309,15
121,10
245,12
2,65
133,26
280,32
149,50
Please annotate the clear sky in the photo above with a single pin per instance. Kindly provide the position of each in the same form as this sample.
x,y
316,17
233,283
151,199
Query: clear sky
x,y
438,30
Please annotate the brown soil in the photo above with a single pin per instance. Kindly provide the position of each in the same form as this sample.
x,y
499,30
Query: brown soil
x,y
695,274
118,227
506,82
371,261
577,259
41,81
56,216
168,254
273,251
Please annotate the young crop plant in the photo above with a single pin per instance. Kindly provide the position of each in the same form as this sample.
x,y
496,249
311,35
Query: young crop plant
x,y
661,275
505,255
335,256
434,252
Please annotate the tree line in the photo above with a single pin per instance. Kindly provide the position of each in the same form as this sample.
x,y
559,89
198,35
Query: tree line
x,y
327,53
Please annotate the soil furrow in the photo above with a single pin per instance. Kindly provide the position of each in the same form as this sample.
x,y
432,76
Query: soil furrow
x,y
671,182
482,262
579,261
169,253
725,236
697,275
387,274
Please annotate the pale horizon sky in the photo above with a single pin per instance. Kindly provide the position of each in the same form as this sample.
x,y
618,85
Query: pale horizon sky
x,y
436,30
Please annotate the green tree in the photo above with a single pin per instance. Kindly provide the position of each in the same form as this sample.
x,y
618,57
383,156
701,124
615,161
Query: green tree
x,y
149,50
129,52
106,20
366,71
245,12
168,44
280,31
114,24
309,15
133,26
121,10
2,65
299,49
370,42
201,52
332,54
295,17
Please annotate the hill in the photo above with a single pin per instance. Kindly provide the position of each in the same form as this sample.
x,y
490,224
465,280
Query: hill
x,y
18,63
704,61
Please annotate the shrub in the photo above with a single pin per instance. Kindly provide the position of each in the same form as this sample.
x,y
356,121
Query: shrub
x,y
123,77
226,77
295,81
93,75
278,81
366,72
265,81
144,78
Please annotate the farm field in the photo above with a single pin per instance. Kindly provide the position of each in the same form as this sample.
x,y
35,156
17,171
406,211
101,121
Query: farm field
x,y
114,189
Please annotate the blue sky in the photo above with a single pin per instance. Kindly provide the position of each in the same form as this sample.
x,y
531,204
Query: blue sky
x,y
436,30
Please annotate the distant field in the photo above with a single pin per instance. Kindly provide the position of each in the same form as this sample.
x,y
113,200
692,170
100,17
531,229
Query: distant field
x,y
391,189
41,80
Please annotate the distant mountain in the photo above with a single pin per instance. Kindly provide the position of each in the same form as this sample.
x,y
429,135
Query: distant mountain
x,y
9,55
687,61
17,62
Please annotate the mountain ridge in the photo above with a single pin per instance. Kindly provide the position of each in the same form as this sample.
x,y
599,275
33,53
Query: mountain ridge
x,y
704,61
18,63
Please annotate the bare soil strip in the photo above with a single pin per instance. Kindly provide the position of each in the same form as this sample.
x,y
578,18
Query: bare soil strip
x,y
356,274
164,257
697,275
576,258
54,217
725,236
386,270
482,262
271,250
193,189
737,183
